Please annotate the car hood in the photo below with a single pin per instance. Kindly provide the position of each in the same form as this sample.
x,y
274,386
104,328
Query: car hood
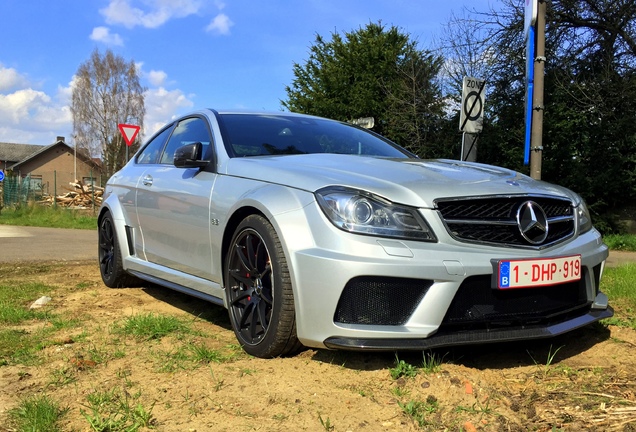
x,y
414,182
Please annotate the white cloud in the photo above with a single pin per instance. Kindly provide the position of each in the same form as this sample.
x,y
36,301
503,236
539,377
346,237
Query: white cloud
x,y
31,116
162,106
103,34
157,78
220,24
158,12
10,79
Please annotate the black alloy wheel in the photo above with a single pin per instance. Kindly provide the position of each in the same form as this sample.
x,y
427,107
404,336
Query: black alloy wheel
x,y
259,292
109,254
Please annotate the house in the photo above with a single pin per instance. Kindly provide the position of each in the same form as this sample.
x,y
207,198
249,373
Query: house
x,y
51,168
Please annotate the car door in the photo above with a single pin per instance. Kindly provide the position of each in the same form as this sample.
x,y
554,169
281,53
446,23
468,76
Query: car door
x,y
173,206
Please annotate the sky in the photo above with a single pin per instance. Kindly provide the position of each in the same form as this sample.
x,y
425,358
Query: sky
x,y
190,54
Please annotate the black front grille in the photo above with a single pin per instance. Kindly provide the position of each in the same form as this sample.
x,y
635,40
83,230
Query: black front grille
x,y
477,303
376,300
494,219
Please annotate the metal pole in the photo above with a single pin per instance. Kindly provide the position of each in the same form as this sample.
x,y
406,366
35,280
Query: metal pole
x,y
536,142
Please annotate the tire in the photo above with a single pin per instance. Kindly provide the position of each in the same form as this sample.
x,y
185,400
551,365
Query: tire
x,y
109,253
259,291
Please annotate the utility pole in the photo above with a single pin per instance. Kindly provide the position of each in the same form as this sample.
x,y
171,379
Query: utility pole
x,y
536,143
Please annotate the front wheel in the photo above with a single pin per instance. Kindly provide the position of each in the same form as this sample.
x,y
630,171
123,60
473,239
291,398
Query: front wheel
x,y
259,290
110,259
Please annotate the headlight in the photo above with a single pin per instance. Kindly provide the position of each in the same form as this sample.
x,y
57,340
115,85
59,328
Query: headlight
x,y
583,217
363,213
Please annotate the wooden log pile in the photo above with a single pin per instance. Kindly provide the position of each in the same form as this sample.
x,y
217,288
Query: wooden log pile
x,y
79,195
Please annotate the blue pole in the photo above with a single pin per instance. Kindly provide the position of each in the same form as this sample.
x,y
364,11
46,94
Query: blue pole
x,y
530,54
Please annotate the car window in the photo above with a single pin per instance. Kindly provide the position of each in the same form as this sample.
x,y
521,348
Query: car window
x,y
188,131
256,135
152,150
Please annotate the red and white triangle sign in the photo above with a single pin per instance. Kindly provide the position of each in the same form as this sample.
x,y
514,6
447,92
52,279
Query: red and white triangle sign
x,y
129,132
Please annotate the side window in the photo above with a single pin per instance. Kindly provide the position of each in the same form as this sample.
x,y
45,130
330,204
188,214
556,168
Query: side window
x,y
150,153
188,131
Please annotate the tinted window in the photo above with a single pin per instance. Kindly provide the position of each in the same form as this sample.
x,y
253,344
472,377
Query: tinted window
x,y
257,134
150,153
188,131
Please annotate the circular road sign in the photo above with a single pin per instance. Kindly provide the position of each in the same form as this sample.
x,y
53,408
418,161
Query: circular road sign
x,y
471,116
1,175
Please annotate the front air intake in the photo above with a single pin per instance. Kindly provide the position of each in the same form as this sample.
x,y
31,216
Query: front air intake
x,y
376,300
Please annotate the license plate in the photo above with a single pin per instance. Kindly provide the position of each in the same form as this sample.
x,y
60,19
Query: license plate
x,y
529,273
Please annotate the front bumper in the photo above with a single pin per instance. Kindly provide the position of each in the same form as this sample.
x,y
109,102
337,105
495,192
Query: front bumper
x,y
322,271
446,338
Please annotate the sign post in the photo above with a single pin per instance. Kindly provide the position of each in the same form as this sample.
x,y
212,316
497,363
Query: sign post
x,y
130,133
471,117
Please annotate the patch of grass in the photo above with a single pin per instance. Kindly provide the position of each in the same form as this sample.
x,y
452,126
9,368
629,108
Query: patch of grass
x,y
618,283
37,413
53,217
151,326
15,299
431,363
171,361
203,354
402,369
419,411
116,410
326,423
622,242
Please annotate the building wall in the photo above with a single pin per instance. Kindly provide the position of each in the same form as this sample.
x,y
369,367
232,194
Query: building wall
x,y
56,167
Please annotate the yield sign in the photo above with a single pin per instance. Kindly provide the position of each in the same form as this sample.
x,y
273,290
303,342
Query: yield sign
x,y
129,132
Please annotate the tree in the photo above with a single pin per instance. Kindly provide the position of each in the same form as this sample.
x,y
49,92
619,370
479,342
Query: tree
x,y
371,72
106,92
589,137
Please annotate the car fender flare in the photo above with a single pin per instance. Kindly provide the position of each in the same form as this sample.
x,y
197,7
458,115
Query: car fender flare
x,y
112,205
277,204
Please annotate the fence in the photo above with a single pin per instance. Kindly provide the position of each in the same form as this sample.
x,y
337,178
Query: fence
x,y
17,191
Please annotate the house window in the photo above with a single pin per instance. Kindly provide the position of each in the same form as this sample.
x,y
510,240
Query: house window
x,y
35,187
88,181
36,183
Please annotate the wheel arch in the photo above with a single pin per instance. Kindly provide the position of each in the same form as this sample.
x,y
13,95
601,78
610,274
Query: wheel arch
x,y
113,207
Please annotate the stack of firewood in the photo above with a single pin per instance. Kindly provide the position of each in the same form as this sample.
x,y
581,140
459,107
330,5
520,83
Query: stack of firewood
x,y
79,196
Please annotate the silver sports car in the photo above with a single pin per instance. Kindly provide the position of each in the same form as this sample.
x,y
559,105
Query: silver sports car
x,y
319,233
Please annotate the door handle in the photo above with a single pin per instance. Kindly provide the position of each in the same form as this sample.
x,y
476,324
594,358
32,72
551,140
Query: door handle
x,y
147,180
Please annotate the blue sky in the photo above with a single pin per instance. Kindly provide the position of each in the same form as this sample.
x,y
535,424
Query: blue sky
x,y
190,53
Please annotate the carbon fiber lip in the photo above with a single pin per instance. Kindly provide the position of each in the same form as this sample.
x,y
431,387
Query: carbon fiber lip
x,y
456,338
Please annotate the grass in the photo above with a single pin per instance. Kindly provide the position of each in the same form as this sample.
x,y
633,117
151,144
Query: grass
x,y
402,369
52,217
37,413
151,326
618,283
622,242
20,345
116,410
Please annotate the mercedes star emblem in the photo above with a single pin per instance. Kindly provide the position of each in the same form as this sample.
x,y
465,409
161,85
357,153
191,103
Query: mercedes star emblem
x,y
532,222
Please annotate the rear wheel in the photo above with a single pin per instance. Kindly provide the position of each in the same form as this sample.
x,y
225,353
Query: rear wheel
x,y
109,253
259,291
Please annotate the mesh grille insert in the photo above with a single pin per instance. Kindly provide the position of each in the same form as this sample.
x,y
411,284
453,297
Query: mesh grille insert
x,y
377,300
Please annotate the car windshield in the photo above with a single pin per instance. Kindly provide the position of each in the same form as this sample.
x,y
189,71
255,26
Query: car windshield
x,y
263,134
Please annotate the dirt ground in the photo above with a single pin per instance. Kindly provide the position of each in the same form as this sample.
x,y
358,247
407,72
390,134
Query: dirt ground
x,y
582,381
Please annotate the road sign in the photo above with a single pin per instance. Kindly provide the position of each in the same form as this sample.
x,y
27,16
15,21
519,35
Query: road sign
x,y
129,132
471,117
1,176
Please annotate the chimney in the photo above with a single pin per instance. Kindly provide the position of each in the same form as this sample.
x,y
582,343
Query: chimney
x,y
59,138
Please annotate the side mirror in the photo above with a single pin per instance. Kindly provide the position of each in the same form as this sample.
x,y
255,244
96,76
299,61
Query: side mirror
x,y
189,156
